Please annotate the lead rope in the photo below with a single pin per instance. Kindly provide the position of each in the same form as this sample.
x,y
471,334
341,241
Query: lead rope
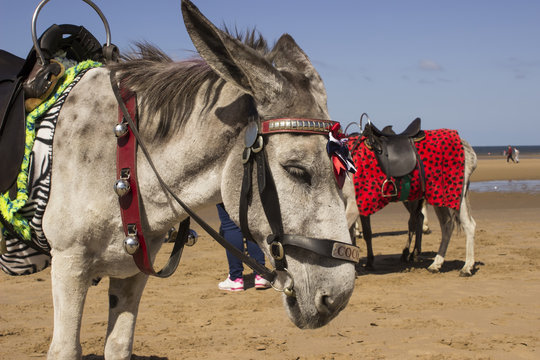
x,y
260,269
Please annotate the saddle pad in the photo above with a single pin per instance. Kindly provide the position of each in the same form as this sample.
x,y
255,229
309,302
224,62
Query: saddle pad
x,y
20,258
443,158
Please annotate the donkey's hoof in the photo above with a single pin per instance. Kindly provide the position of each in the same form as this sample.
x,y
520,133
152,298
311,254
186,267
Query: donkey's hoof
x,y
465,273
405,256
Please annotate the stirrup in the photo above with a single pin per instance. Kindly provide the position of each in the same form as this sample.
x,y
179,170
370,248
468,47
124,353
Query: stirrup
x,y
391,181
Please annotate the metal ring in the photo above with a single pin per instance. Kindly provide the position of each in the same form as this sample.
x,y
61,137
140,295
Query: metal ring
x,y
288,290
367,117
38,9
347,128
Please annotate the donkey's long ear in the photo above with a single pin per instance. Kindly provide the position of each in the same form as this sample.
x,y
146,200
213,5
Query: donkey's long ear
x,y
231,59
288,56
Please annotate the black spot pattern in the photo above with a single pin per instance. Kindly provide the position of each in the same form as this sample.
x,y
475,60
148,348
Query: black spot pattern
x,y
443,157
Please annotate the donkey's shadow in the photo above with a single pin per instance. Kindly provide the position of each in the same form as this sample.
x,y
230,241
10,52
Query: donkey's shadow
x,y
133,357
390,264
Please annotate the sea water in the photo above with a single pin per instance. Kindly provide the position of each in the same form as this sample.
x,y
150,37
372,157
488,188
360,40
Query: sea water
x,y
506,186
498,150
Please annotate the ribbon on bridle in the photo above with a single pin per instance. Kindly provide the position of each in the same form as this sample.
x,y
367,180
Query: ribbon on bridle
x,y
339,152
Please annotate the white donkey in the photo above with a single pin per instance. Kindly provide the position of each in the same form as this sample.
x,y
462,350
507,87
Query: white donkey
x,y
193,117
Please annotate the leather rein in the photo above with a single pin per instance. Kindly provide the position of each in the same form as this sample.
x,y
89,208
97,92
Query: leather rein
x,y
254,152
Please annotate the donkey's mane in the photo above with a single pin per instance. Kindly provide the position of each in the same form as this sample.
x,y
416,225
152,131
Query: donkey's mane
x,y
168,87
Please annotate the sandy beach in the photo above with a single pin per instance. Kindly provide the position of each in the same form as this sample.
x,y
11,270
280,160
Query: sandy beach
x,y
399,311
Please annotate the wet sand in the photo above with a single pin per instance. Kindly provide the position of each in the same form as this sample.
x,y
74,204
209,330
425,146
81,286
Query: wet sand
x,y
397,312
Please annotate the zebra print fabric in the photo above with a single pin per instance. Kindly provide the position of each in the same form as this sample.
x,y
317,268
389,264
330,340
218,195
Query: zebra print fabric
x,y
20,258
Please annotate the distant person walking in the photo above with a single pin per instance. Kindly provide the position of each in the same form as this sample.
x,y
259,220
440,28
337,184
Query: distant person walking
x,y
516,157
510,154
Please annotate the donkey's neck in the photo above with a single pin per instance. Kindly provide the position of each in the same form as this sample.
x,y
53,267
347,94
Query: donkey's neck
x,y
191,161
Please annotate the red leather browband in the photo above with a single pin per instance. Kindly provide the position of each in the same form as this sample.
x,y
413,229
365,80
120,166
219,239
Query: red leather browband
x,y
297,125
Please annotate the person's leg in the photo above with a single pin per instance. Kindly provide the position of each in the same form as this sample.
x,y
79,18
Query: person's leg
x,y
256,253
233,235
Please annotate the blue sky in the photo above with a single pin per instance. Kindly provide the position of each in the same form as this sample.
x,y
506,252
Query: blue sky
x,y
468,65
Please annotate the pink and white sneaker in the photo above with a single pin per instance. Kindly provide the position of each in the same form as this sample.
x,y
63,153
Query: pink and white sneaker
x,y
261,283
232,285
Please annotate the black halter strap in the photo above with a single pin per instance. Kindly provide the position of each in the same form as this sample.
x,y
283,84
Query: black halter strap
x,y
278,240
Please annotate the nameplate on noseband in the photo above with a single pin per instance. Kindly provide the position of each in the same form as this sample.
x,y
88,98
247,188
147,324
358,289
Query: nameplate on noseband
x,y
346,252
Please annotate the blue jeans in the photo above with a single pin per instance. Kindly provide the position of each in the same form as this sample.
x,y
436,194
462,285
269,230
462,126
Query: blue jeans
x,y
233,235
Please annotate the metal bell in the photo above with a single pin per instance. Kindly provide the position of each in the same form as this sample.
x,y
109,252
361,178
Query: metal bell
x,y
120,129
121,187
131,244
289,292
192,237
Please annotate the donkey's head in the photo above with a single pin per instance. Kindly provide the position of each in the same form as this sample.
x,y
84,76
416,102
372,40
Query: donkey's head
x,y
283,84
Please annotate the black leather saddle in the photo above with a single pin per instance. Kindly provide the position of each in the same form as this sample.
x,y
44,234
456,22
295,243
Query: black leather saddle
x,y
19,77
395,153
12,124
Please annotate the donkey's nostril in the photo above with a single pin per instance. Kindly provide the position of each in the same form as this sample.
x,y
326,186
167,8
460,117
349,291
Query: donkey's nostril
x,y
324,304
329,301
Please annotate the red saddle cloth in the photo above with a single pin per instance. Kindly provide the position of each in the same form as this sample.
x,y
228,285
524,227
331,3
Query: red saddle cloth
x,y
443,158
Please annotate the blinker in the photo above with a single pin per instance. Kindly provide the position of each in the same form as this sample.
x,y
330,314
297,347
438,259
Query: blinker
x,y
252,131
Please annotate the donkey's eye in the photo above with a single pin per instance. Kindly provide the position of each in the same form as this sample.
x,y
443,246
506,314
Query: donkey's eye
x,y
298,173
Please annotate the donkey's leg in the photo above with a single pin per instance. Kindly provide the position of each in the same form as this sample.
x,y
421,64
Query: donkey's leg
x,y
469,226
406,249
366,233
425,225
447,226
417,224
124,298
70,283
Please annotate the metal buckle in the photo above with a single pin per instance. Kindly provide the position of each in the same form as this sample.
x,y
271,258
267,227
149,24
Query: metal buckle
x,y
246,154
132,229
259,144
125,173
276,249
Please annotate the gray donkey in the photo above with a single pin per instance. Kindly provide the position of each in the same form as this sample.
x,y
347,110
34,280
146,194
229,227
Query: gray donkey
x,y
193,117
